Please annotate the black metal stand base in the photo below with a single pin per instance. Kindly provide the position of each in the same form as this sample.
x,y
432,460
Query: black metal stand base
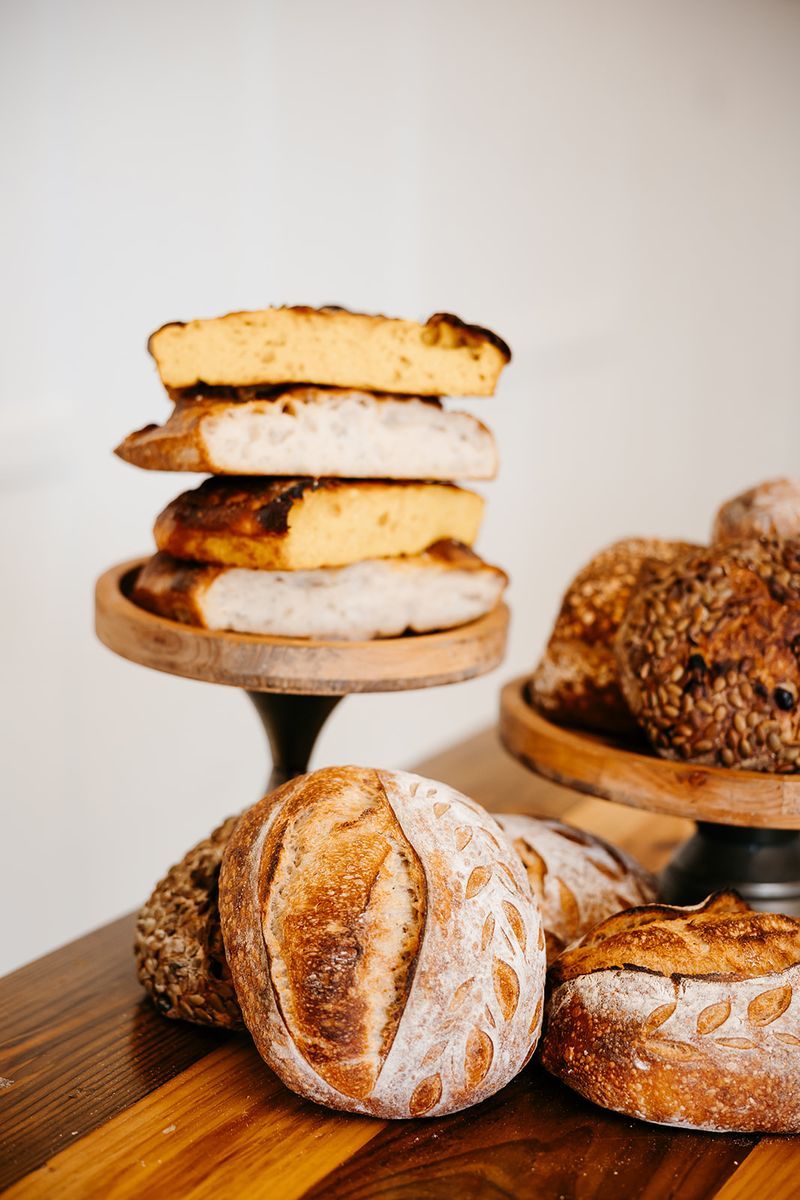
x,y
292,724
763,865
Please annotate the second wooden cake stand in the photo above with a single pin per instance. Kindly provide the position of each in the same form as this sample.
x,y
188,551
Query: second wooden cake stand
x,y
294,683
746,820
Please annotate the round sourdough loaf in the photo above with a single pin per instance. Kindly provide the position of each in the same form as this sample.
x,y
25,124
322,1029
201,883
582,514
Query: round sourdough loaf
x,y
386,951
770,509
576,879
683,1016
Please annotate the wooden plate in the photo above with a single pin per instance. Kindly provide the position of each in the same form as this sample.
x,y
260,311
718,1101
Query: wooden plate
x,y
293,665
601,766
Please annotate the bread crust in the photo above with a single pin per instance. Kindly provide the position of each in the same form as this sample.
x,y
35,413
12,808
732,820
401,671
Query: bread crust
x,y
716,1051
577,679
577,879
469,1009
329,346
708,655
771,509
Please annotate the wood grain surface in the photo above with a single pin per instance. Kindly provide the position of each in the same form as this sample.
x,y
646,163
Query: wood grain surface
x,y
103,1097
293,665
602,767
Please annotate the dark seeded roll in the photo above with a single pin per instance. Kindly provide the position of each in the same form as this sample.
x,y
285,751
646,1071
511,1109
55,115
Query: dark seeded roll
x,y
708,655
576,681
180,958
771,509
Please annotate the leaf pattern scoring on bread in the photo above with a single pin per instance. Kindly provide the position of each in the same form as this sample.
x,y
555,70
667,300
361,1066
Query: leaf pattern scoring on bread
x,y
767,1007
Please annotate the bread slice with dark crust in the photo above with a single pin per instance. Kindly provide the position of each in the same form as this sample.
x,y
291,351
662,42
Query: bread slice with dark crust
x,y
444,356
302,524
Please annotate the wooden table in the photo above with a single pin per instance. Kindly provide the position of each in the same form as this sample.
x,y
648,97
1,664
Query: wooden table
x,y
100,1096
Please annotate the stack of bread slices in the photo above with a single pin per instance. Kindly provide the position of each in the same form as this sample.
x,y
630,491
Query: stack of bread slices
x,y
331,511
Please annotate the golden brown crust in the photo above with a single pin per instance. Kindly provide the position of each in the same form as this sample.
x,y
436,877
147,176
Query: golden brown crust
x,y
172,588
577,679
708,655
770,509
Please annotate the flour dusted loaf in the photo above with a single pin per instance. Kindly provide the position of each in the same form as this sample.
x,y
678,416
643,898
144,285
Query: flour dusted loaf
x,y
302,524
330,346
577,879
319,432
180,958
445,587
708,655
386,951
686,1017
577,679
770,509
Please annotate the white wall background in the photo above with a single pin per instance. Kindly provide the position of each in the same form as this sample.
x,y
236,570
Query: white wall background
x,y
614,186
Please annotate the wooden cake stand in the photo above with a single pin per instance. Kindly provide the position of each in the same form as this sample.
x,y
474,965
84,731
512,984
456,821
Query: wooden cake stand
x,y
746,820
294,683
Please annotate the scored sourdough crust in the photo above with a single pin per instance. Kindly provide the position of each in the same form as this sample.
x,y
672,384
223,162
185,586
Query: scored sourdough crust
x,y
576,879
180,958
683,1016
770,509
386,951
708,655
577,679
302,524
446,586
330,346
319,432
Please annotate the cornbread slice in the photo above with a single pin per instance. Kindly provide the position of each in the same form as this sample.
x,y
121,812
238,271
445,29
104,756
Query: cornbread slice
x,y
302,524
445,586
330,346
319,432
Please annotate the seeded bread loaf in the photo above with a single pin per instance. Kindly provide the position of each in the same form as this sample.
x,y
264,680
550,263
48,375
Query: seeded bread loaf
x,y
443,357
577,880
302,524
385,948
445,587
708,655
685,1017
771,509
577,679
319,432
180,958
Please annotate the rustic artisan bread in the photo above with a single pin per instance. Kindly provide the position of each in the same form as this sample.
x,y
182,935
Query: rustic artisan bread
x,y
577,680
319,432
301,524
685,1017
708,655
577,880
385,948
446,586
771,509
180,958
330,346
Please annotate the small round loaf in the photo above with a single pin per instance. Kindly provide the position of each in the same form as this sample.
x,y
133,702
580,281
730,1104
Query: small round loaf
x,y
577,680
683,1016
576,879
770,509
385,947
180,958
708,654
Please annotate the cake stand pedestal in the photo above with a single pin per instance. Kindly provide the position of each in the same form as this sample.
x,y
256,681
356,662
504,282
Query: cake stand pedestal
x,y
747,821
294,683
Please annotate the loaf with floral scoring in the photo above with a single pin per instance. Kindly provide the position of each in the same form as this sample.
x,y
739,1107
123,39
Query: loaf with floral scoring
x,y
683,1016
384,945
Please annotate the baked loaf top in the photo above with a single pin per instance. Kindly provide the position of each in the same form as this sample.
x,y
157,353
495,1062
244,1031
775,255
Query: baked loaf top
x,y
385,948
708,655
301,524
577,679
180,958
577,879
770,509
683,1017
318,432
330,346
